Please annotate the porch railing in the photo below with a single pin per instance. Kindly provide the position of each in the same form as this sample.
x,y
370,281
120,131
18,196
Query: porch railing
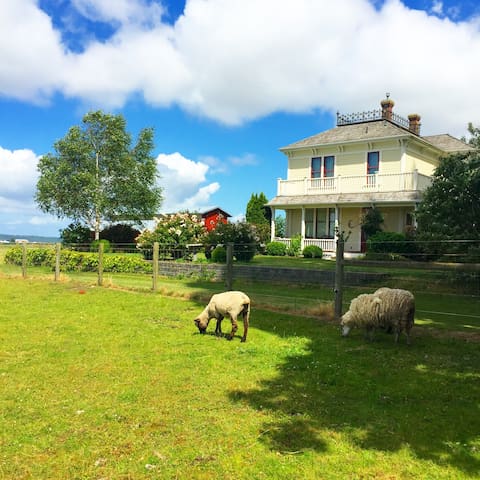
x,y
326,244
387,182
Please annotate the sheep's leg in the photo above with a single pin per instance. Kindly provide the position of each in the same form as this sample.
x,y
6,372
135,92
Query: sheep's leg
x,y
369,333
245,315
218,328
234,326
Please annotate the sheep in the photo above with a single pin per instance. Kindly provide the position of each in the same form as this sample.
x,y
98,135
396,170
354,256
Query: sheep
x,y
227,304
386,308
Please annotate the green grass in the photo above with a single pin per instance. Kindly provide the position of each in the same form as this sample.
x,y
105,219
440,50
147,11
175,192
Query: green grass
x,y
102,383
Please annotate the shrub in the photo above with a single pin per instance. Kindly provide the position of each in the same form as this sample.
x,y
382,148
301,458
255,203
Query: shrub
x,y
277,249
36,257
392,243
312,251
95,245
120,233
295,245
242,234
78,261
219,254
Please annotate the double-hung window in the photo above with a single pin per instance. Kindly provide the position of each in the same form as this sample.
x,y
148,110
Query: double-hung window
x,y
323,167
373,164
319,223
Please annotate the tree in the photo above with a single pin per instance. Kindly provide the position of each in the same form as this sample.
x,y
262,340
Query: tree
x,y
450,208
75,233
474,140
95,176
372,221
260,215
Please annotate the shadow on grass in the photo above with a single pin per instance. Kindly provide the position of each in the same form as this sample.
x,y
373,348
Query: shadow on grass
x,y
376,395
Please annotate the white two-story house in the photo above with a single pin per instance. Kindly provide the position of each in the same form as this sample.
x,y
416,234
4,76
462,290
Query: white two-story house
x,y
374,158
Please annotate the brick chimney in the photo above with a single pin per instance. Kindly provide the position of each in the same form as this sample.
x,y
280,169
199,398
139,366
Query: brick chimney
x,y
387,108
414,123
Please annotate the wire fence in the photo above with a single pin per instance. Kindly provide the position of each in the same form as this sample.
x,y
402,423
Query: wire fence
x,y
310,280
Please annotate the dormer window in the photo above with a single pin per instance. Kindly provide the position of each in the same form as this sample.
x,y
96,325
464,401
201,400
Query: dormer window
x,y
323,167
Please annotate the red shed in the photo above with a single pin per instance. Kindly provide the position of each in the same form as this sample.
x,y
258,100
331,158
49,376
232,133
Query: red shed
x,y
213,216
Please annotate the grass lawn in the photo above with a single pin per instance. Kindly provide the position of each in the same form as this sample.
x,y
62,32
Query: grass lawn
x,y
101,383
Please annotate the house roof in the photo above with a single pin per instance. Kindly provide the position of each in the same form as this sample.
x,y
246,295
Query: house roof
x,y
351,133
376,130
448,144
215,210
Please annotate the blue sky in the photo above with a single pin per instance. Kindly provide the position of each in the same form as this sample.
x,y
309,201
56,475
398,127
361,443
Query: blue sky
x,y
225,84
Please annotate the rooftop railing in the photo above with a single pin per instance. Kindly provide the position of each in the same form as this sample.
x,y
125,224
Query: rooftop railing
x,y
369,116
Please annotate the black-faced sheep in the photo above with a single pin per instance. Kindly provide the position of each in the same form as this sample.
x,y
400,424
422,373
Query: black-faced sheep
x,y
226,304
391,309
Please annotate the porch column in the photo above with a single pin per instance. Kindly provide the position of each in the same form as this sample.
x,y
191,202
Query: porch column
x,y
337,226
302,231
272,224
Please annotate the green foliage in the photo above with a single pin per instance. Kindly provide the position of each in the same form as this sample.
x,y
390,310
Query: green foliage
x,y
120,233
295,246
260,215
76,233
78,261
257,211
95,175
312,251
390,242
219,254
276,249
176,230
35,257
280,225
372,221
243,235
450,208
474,139
94,246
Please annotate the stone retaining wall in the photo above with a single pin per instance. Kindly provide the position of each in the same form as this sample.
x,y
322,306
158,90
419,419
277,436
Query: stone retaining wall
x,y
266,274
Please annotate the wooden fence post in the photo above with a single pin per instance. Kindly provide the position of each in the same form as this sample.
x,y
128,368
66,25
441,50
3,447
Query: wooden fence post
x,y
24,260
339,276
100,264
57,261
155,266
229,269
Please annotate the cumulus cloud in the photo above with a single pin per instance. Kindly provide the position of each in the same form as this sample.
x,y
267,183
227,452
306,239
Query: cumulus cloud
x,y
183,181
121,11
235,61
18,174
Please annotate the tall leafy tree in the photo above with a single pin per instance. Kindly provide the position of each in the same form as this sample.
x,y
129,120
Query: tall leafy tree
x,y
474,139
257,211
260,215
450,208
95,175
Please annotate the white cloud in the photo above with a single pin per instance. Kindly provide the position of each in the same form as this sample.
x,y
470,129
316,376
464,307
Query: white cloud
x,y
122,11
246,159
437,7
182,180
18,174
233,61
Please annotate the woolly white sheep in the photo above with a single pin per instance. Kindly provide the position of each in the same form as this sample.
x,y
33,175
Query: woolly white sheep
x,y
226,304
389,308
